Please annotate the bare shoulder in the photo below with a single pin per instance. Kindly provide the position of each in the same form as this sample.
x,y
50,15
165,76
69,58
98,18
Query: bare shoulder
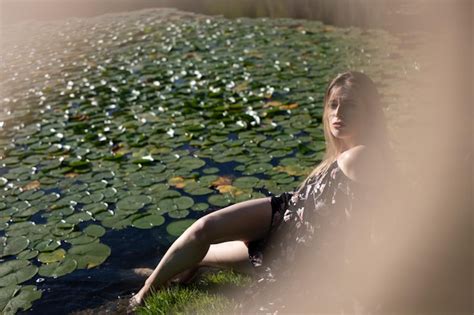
x,y
361,164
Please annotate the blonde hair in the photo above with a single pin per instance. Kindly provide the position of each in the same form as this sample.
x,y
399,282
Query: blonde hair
x,y
375,133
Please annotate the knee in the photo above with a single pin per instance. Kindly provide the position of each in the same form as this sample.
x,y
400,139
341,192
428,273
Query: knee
x,y
201,230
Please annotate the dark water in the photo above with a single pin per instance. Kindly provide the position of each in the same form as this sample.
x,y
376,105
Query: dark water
x,y
392,15
85,290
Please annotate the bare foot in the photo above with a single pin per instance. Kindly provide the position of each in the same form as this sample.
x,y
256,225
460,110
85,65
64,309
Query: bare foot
x,y
134,302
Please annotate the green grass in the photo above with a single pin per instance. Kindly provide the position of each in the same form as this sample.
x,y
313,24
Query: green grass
x,y
211,293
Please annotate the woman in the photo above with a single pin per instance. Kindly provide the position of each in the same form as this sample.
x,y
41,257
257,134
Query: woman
x,y
356,153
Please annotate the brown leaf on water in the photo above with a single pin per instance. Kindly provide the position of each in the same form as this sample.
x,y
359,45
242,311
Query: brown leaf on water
x,y
280,105
241,87
32,185
222,180
289,106
71,175
193,55
80,117
180,182
272,103
229,189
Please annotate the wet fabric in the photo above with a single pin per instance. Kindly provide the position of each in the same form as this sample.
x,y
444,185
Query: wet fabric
x,y
311,237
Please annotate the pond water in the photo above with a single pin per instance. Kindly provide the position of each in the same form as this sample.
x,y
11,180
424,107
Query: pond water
x,y
119,131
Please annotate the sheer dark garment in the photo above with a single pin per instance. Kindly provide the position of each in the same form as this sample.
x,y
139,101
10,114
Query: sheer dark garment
x,y
305,259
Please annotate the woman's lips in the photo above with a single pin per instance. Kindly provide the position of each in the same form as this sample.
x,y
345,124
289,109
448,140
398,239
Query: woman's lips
x,y
338,125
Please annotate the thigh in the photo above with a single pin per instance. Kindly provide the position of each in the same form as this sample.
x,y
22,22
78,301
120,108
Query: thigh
x,y
232,254
245,221
226,253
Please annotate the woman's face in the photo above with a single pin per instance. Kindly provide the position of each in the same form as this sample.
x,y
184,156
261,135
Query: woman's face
x,y
345,114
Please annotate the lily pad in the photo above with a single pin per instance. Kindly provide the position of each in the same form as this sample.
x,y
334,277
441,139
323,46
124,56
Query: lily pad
x,y
246,182
89,255
54,256
12,245
94,230
148,221
14,298
16,272
133,203
178,214
177,228
27,254
200,206
220,200
47,245
179,203
58,269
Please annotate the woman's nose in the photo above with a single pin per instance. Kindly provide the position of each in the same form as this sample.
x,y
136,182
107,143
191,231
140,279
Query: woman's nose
x,y
338,110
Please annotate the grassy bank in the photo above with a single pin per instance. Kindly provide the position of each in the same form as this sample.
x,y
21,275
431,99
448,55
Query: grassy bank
x,y
211,293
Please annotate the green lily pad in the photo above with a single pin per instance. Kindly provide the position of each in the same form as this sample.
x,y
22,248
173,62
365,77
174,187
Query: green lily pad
x,y
14,298
21,228
82,239
27,254
78,218
94,230
191,163
12,245
200,206
220,200
178,214
179,203
89,255
133,203
58,269
54,256
62,229
197,190
47,245
148,221
177,228
257,168
246,182
16,272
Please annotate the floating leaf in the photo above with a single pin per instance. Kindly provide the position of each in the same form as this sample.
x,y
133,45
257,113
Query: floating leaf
x,y
16,272
94,230
222,180
148,221
177,228
49,257
58,269
133,203
13,298
200,206
89,255
12,245
220,200
178,203
32,185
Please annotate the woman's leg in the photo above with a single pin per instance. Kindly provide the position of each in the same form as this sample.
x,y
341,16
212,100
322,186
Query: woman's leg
x,y
232,254
246,221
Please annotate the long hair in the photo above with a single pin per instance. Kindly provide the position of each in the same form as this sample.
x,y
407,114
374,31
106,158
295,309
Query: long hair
x,y
375,131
